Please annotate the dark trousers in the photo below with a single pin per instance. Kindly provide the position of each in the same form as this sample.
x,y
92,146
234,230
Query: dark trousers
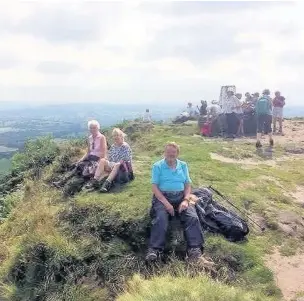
x,y
160,220
264,123
232,123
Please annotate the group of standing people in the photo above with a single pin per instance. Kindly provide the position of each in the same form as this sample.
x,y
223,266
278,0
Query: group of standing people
x,y
267,110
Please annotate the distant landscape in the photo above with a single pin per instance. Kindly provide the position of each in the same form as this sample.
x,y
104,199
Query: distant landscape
x,y
19,123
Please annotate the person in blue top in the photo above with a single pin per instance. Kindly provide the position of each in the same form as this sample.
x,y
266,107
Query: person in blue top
x,y
171,186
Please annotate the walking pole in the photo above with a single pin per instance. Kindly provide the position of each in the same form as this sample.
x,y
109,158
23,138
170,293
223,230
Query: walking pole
x,y
241,211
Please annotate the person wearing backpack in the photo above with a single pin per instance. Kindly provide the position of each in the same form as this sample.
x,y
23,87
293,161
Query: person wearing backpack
x,y
263,110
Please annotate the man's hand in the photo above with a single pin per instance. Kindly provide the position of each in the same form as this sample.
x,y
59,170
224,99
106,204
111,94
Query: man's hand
x,y
169,208
183,206
75,164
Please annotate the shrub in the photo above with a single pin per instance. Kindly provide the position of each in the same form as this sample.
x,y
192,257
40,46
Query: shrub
x,y
37,154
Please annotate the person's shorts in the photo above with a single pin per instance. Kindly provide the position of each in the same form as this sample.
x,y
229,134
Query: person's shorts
x,y
277,112
240,116
111,165
264,124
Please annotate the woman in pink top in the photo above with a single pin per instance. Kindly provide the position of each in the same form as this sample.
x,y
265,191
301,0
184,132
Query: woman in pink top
x,y
97,144
97,149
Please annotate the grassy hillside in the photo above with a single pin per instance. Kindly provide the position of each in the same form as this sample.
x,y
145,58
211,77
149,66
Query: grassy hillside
x,y
89,247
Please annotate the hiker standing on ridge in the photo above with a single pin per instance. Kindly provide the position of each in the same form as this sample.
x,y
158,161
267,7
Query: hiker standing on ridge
x,y
264,117
278,104
147,116
191,110
230,108
248,97
203,108
255,97
171,186
240,116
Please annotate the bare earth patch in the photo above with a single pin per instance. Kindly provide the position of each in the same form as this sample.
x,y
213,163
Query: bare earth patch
x,y
242,161
298,196
293,134
253,162
274,180
289,273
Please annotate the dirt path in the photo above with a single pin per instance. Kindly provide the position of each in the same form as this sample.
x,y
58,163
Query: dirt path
x,y
298,196
242,161
289,273
292,141
293,133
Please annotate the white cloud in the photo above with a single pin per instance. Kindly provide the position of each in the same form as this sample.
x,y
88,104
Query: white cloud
x,y
172,51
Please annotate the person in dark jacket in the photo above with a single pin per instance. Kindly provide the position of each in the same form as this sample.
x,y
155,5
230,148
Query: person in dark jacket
x,y
171,186
203,108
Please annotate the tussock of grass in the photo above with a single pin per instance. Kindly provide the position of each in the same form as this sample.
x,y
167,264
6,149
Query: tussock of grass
x,y
79,292
167,288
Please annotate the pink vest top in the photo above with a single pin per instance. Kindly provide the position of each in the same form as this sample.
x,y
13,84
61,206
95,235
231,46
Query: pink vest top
x,y
95,145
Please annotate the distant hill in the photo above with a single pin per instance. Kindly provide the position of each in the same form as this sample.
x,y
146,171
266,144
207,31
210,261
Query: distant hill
x,y
107,114
19,123
297,111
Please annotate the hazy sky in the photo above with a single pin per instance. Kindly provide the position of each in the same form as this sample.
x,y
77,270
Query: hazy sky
x,y
144,52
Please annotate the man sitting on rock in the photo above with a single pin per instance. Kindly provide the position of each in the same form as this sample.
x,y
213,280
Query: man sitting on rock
x,y
171,186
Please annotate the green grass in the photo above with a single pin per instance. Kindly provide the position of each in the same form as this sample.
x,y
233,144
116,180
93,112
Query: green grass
x,y
86,248
167,288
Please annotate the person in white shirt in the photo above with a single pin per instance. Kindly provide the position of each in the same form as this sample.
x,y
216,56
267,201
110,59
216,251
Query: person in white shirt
x,y
191,110
214,109
147,116
230,109
240,115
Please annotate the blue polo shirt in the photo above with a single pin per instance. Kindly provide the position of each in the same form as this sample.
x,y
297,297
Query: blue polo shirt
x,y
168,179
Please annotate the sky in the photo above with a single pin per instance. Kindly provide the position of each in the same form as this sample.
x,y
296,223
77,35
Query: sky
x,y
132,51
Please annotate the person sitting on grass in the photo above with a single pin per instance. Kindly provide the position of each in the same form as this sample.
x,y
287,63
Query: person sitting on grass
x,y
108,169
97,149
171,187
264,118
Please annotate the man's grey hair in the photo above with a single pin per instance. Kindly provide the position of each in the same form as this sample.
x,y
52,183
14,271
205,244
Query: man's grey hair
x,y
94,123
